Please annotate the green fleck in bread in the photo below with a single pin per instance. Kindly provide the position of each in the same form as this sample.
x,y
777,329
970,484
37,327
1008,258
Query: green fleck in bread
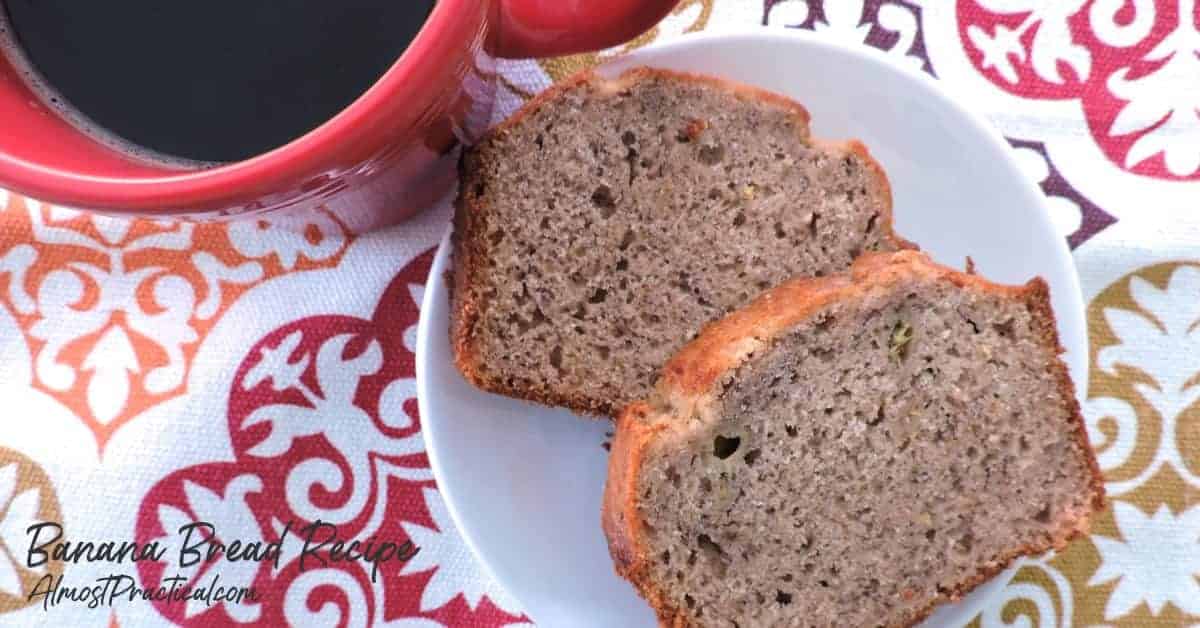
x,y
851,451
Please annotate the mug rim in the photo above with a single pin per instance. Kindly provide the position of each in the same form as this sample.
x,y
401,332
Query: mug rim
x,y
177,191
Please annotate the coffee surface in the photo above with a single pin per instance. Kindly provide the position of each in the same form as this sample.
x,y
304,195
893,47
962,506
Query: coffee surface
x,y
211,81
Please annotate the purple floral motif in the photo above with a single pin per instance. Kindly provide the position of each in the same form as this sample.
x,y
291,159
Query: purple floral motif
x,y
1092,218
891,25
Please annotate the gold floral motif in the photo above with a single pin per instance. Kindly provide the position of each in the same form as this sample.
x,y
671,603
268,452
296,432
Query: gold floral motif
x,y
1142,406
26,497
1039,594
1097,579
1143,418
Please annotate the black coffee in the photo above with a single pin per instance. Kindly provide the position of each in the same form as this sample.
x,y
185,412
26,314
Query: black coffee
x,y
211,80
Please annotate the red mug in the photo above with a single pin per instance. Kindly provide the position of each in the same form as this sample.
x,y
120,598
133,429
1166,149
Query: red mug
x,y
386,156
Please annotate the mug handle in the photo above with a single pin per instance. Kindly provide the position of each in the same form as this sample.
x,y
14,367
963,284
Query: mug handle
x,y
550,28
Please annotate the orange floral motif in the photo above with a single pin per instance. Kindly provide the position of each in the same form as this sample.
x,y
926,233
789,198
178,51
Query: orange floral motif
x,y
114,309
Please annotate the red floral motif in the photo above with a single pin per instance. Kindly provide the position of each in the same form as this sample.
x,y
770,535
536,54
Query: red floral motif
x,y
1133,65
323,420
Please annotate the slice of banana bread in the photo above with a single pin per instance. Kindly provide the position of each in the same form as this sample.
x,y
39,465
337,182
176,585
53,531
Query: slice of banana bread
x,y
602,225
851,451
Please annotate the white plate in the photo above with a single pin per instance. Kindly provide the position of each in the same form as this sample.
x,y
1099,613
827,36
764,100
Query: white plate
x,y
523,482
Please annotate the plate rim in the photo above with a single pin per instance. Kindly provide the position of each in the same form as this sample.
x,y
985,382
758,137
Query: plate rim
x,y
862,52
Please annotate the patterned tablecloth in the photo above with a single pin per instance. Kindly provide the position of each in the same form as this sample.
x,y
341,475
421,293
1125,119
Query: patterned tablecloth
x,y
155,375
